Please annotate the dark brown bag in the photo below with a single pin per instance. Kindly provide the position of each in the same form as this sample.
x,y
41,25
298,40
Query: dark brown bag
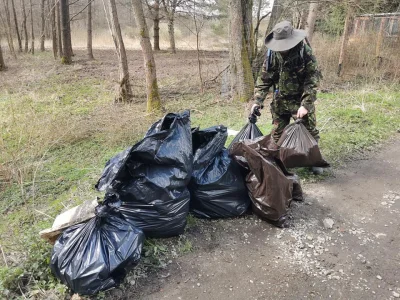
x,y
298,148
269,189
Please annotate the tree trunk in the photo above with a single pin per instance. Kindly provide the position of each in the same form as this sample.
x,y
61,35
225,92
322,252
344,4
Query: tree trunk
x,y
9,32
247,10
32,32
241,71
276,13
58,27
24,26
256,30
2,64
89,31
66,32
171,33
156,25
16,26
345,37
53,28
42,31
153,96
48,24
197,27
125,90
312,16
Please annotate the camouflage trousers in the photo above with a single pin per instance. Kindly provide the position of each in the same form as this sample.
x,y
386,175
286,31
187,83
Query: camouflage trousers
x,y
283,109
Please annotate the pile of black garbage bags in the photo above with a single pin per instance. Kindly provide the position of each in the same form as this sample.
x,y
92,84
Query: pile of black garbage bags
x,y
151,187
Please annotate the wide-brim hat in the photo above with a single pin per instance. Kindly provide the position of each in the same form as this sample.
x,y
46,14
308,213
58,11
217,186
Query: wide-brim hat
x,y
284,37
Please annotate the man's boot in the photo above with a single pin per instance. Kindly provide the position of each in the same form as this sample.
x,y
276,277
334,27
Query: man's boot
x,y
317,170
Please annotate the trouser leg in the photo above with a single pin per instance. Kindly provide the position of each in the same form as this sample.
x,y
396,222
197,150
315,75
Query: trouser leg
x,y
310,122
279,122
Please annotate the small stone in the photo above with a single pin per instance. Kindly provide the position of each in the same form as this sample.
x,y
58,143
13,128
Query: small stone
x,y
328,272
328,223
309,237
396,295
379,277
198,284
251,281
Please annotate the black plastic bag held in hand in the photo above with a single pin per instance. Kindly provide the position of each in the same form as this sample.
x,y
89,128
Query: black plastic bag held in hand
x,y
298,148
217,187
250,131
150,187
95,256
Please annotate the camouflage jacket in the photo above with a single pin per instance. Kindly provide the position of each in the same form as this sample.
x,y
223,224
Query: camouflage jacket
x,y
295,77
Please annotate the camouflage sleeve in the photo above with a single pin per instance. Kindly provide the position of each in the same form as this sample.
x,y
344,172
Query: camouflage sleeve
x,y
264,82
311,80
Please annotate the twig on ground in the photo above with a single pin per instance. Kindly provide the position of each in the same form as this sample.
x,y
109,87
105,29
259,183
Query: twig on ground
x,y
219,74
4,257
196,110
23,295
40,212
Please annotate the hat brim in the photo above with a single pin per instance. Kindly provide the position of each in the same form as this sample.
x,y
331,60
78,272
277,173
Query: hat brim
x,y
282,45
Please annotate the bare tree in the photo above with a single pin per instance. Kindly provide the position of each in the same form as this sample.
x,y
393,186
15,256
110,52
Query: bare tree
x,y
89,30
125,90
345,37
276,13
312,16
170,7
32,32
260,18
154,10
42,31
16,26
198,25
2,64
241,72
24,27
66,32
8,28
58,27
153,96
53,28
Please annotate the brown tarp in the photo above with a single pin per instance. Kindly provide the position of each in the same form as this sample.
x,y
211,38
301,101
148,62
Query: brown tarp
x,y
298,148
269,188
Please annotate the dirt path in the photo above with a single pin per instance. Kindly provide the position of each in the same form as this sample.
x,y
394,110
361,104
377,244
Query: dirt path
x,y
359,258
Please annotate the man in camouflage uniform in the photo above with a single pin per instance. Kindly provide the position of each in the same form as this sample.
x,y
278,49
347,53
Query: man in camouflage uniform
x,y
291,69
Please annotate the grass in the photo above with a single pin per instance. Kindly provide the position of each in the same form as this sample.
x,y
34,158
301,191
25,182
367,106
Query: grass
x,y
57,135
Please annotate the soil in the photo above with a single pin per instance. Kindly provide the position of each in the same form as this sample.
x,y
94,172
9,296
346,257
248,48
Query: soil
x,y
358,258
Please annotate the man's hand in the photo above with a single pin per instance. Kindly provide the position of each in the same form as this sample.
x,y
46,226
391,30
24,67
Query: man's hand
x,y
301,112
254,108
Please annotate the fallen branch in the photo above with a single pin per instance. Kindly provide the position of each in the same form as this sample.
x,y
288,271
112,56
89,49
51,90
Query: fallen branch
x,y
4,257
219,74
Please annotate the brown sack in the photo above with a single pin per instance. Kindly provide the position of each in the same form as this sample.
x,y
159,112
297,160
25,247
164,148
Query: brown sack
x,y
269,189
298,148
267,147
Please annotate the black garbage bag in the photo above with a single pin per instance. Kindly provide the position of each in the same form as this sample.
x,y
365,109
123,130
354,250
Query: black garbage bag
x,y
111,169
298,148
150,186
249,132
95,256
217,187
